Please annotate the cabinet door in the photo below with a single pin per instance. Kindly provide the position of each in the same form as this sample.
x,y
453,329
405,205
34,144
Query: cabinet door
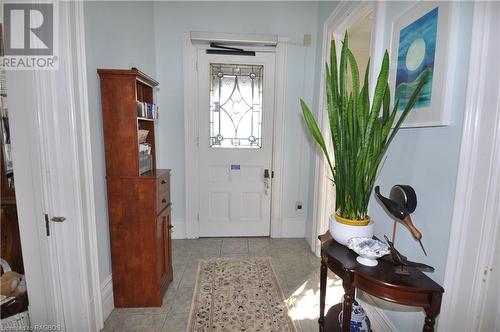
x,y
163,246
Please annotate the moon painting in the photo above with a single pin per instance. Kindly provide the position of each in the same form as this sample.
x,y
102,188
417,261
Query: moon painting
x,y
416,52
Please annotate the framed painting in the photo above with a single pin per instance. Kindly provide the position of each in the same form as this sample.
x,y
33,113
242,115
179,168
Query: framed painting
x,y
423,42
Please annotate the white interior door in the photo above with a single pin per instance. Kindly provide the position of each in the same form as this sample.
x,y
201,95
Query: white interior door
x,y
236,102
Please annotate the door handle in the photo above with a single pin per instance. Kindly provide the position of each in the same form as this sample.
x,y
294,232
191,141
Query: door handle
x,y
57,219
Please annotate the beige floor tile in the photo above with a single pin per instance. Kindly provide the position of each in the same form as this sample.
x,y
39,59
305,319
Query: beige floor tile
x,y
134,322
176,322
182,300
189,277
296,267
235,246
234,255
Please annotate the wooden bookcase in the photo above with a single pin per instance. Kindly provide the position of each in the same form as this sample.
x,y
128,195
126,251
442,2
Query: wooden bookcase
x,y
138,205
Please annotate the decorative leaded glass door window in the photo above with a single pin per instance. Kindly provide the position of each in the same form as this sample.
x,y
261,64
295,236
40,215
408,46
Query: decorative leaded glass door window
x,y
236,105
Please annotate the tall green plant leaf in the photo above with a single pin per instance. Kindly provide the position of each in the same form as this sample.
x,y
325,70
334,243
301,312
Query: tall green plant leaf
x,y
360,130
315,132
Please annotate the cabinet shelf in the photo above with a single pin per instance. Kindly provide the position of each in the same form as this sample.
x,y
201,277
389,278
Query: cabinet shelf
x,y
145,119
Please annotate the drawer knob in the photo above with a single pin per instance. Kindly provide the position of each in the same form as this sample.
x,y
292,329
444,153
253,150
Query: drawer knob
x,y
164,200
163,181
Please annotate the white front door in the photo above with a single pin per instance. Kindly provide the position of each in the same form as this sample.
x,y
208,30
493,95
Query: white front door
x,y
236,102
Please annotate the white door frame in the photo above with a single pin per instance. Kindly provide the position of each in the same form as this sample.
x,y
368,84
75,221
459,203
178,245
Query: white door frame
x,y
343,16
470,301
191,130
42,105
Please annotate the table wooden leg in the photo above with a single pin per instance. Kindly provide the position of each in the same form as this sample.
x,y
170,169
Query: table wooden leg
x,y
432,311
322,295
348,299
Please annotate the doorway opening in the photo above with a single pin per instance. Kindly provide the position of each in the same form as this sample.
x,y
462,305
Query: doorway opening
x,y
235,143
14,296
236,177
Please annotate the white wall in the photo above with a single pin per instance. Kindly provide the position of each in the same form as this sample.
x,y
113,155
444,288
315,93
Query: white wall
x,y
149,36
427,159
286,19
116,36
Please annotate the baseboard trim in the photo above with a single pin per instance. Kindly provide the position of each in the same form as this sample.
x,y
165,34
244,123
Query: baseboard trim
x,y
179,230
108,303
293,228
379,320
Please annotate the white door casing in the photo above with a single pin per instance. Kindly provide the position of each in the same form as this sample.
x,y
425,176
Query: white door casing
x,y
191,132
235,197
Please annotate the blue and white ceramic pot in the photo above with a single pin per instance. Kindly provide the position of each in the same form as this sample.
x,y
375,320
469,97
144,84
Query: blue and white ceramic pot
x,y
359,319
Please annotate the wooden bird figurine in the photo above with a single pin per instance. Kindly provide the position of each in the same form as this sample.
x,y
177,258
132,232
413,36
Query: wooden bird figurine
x,y
401,261
401,214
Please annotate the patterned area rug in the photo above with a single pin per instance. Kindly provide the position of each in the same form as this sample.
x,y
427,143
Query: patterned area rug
x,y
238,295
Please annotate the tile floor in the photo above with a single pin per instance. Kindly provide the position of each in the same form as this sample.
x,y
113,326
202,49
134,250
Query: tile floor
x,y
295,265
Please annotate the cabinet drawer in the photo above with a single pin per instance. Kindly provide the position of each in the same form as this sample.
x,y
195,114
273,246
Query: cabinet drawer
x,y
163,183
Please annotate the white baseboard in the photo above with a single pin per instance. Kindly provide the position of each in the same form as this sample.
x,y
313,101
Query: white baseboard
x,y
293,228
108,303
379,320
179,230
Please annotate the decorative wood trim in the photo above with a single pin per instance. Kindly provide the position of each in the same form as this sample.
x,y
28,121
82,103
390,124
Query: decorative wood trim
x,y
280,105
144,78
191,138
475,229
86,175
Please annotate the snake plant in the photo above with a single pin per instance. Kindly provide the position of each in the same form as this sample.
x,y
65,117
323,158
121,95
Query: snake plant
x,y
361,130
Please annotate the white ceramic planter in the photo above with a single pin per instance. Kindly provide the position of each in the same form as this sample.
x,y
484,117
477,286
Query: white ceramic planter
x,y
342,232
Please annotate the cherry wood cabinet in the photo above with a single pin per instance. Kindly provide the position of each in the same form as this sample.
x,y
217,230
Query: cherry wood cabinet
x,y
139,205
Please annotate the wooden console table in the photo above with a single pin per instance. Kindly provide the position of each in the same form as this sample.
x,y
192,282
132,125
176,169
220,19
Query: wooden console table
x,y
417,289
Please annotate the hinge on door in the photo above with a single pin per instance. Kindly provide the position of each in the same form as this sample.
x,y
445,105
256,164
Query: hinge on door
x,y
47,227
272,174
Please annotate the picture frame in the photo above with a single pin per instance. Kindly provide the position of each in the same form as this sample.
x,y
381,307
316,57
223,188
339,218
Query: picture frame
x,y
424,38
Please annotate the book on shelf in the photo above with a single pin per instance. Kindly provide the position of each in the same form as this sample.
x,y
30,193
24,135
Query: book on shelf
x,y
147,110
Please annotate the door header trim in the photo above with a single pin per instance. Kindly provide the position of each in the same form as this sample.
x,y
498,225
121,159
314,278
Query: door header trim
x,y
200,37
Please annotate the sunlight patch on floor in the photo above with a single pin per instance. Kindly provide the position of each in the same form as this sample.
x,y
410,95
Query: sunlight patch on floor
x,y
304,302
